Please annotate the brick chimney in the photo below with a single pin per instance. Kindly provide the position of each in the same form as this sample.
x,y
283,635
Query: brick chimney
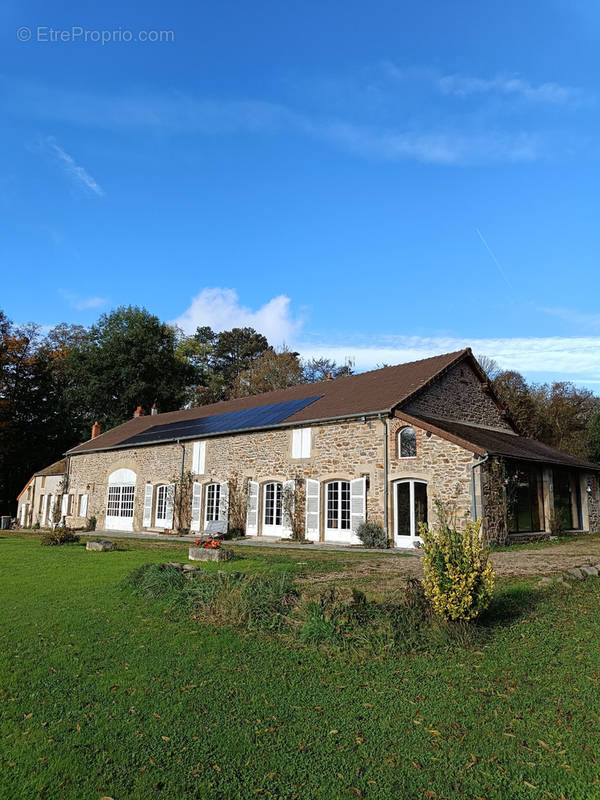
x,y
153,410
95,429
139,412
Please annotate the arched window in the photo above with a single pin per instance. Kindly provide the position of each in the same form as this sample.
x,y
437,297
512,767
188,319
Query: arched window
x,y
407,443
338,505
120,500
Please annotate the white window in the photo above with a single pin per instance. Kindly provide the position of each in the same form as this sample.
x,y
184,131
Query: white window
x,y
120,501
410,508
301,442
162,499
213,500
407,443
338,505
164,505
198,458
272,507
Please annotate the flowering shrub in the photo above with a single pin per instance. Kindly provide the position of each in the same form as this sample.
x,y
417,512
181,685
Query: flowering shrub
x,y
459,580
208,544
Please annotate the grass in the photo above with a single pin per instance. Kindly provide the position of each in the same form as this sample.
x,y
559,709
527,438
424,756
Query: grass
x,y
104,694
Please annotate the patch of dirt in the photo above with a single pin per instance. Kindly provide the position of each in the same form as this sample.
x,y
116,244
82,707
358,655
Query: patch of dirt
x,y
390,573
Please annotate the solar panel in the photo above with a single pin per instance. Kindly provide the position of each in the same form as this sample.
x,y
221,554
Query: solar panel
x,y
260,417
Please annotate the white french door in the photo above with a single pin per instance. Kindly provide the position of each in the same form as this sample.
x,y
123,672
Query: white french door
x,y
272,509
410,508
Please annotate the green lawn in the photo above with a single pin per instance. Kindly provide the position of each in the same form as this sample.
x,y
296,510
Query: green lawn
x,y
103,695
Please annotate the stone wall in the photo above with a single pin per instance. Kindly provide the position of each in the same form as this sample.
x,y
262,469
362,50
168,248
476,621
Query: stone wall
x,y
459,395
445,467
594,502
494,522
341,450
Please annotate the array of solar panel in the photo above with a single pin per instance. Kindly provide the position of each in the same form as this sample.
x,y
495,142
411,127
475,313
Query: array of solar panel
x,y
260,417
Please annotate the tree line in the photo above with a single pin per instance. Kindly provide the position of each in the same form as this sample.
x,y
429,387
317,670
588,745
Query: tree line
x,y
559,414
55,385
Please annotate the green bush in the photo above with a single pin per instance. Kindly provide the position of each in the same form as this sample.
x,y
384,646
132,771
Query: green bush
x,y
249,601
155,580
372,535
459,580
57,537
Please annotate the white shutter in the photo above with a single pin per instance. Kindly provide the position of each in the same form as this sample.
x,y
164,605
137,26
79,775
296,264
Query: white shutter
x,y
297,443
64,507
83,506
196,506
358,502
169,508
224,502
199,458
306,442
51,510
313,512
252,512
288,486
44,507
148,495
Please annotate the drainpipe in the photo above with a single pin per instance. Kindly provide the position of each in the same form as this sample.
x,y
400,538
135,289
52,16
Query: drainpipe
x,y
473,493
385,473
181,477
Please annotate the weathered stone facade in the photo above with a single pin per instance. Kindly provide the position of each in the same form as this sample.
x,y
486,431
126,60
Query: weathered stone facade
x,y
459,395
340,451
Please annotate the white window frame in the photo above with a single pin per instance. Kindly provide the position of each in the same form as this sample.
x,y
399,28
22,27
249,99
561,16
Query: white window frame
x,y
409,540
301,442
161,514
400,432
199,458
120,498
340,517
274,528
212,504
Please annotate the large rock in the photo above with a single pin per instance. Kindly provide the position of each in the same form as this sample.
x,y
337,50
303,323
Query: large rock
x,y
209,554
589,570
574,572
101,547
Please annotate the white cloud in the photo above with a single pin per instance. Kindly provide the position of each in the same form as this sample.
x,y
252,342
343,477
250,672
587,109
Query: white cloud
x,y
82,303
569,358
77,173
176,112
550,93
221,310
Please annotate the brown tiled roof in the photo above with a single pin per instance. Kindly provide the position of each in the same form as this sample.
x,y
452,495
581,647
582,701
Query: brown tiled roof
x,y
366,393
498,443
58,468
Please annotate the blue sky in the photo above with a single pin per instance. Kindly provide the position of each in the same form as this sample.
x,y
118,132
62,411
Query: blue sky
x,y
380,181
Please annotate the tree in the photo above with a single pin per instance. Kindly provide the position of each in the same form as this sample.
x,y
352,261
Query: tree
x,y
128,359
512,389
489,365
269,372
320,369
594,437
235,351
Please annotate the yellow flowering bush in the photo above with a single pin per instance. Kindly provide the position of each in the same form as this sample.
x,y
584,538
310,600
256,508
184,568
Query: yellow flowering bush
x,y
459,579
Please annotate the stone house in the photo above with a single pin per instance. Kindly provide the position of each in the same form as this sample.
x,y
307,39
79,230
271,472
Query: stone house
x,y
381,446
41,501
